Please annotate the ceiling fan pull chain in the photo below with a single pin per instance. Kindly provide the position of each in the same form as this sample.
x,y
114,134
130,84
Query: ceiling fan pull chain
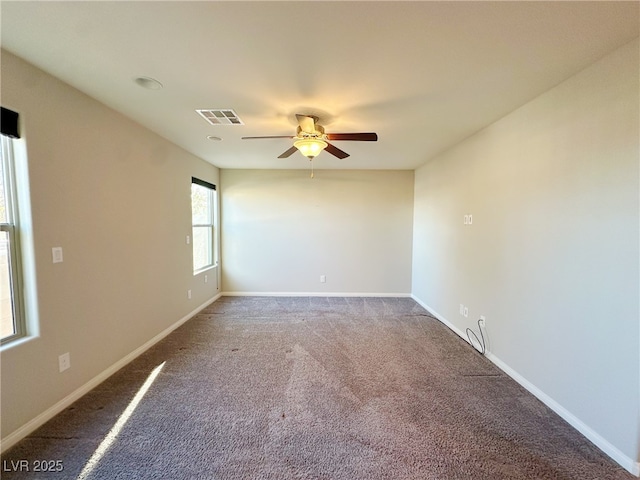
x,y
311,160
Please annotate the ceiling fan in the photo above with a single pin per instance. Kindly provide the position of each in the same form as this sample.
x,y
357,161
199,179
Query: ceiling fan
x,y
311,139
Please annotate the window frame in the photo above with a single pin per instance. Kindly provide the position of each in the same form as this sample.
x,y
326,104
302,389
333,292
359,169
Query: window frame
x,y
211,225
12,227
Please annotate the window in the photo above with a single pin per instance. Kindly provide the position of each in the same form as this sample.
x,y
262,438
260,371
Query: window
x,y
203,207
12,323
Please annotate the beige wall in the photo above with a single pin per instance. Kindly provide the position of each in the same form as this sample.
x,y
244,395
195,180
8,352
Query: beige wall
x,y
551,259
552,256
282,230
116,198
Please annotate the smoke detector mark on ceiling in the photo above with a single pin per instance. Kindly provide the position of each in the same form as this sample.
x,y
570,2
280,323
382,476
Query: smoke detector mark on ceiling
x,y
221,116
148,83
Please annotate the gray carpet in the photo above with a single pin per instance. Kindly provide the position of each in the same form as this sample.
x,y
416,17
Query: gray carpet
x,y
313,388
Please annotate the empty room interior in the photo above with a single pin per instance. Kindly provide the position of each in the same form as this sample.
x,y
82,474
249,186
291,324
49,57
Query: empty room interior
x,y
468,223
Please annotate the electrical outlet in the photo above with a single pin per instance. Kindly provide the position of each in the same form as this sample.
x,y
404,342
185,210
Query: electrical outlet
x,y
64,362
189,294
206,279
323,279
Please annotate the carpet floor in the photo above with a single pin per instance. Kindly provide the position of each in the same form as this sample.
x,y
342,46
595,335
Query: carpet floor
x,y
309,388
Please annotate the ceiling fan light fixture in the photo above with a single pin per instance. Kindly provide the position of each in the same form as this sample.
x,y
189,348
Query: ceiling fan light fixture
x,y
310,147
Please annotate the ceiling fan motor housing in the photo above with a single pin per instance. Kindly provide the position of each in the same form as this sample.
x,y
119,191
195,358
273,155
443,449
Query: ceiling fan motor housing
x,y
317,133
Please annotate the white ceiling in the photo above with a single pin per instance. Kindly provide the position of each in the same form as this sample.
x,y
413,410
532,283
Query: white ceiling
x,y
423,75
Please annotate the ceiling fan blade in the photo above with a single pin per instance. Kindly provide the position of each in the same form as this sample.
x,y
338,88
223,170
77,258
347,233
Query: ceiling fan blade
x,y
307,123
288,153
359,137
335,151
271,136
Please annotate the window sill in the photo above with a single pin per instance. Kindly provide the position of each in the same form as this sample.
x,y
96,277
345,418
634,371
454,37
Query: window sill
x,y
17,342
205,269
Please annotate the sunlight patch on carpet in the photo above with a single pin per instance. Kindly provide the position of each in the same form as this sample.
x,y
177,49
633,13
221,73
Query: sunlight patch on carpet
x,y
117,427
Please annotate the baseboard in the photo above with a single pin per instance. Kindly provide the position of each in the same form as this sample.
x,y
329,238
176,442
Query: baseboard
x,y
32,425
624,461
312,294
441,318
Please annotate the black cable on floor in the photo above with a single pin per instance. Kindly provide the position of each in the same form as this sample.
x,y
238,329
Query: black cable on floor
x,y
482,345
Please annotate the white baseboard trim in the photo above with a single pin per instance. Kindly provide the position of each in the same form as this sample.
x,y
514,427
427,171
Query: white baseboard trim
x,y
32,425
623,460
313,294
450,325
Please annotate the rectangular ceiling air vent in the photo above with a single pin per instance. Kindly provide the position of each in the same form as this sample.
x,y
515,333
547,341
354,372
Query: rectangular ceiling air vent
x,y
221,116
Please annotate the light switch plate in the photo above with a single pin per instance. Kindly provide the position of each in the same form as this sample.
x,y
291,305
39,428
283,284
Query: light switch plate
x,y
64,362
56,253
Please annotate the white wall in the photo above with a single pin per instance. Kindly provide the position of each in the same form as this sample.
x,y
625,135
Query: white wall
x,y
281,230
116,198
552,257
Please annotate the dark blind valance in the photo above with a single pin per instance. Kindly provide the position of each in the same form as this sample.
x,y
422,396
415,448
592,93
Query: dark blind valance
x,y
9,123
202,183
